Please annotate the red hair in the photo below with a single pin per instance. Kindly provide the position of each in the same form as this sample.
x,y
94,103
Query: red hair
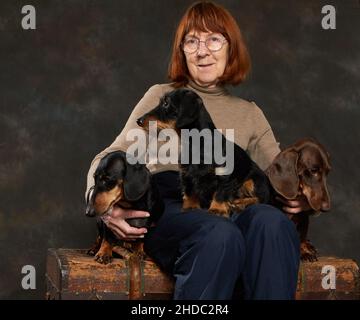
x,y
207,16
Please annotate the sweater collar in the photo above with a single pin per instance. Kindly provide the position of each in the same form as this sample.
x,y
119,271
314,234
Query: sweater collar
x,y
216,91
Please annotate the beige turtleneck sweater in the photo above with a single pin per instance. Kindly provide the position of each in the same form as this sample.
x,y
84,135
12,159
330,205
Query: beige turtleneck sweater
x,y
251,129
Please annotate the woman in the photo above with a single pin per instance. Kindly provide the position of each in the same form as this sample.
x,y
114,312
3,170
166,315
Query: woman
x,y
208,254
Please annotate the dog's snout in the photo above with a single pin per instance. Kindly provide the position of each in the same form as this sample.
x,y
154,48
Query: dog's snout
x,y
140,121
90,212
325,206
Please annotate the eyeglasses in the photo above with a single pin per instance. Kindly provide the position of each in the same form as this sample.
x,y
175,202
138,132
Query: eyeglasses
x,y
213,43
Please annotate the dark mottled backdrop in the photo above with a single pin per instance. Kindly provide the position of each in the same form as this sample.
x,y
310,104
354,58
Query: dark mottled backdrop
x,y
68,87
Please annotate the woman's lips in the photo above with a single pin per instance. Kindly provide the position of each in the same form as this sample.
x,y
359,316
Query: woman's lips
x,y
204,66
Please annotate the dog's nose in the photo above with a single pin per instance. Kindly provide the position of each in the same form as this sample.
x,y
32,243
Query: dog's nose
x,y
325,206
90,212
140,121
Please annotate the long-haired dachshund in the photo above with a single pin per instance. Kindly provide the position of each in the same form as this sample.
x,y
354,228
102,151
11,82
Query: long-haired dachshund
x,y
201,185
247,184
302,169
125,185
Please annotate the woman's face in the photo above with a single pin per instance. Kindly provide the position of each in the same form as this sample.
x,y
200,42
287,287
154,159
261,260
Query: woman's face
x,y
205,66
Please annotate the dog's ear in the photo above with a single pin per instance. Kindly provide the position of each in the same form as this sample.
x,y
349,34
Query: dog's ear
x,y
283,173
136,181
189,109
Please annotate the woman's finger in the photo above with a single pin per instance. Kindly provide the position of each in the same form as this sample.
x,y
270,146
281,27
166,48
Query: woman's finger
x,y
134,237
123,236
125,229
135,232
289,203
117,231
292,210
136,214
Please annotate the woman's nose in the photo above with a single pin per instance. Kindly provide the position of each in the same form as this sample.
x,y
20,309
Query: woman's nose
x,y
202,50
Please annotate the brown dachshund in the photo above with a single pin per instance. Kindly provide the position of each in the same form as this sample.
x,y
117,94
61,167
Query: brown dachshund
x,y
302,169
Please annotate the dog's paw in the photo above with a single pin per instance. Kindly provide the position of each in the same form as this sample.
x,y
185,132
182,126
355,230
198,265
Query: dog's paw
x,y
310,257
91,252
308,252
103,258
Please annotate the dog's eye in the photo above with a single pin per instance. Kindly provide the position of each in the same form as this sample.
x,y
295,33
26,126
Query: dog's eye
x,y
166,103
106,182
109,183
312,172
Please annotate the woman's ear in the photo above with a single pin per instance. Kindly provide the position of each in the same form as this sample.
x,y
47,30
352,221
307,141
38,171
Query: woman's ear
x,y
136,181
283,173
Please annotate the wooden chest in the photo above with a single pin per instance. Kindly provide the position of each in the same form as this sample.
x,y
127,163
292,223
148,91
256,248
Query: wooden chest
x,y
329,278
71,274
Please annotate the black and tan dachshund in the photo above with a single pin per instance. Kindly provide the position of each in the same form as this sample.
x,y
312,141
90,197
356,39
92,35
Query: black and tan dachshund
x,y
202,186
125,185
299,169
302,169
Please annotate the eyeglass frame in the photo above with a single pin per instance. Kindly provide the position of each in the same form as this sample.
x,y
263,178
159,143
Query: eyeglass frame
x,y
199,42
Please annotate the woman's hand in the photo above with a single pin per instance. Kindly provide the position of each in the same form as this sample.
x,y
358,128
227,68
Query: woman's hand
x,y
115,221
294,206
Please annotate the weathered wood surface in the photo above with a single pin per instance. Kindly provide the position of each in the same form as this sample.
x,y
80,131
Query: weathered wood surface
x,y
347,285
71,274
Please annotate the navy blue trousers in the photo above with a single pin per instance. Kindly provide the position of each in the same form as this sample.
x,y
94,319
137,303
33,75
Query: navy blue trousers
x,y
257,249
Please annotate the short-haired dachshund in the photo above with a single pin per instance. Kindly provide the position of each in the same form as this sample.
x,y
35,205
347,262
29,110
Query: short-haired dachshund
x,y
117,182
302,168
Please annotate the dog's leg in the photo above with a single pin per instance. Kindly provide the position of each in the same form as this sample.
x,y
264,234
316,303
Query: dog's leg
x,y
307,251
138,248
190,202
104,255
96,246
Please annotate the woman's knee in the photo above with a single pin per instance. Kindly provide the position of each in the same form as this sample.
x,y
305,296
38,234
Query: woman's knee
x,y
265,217
219,236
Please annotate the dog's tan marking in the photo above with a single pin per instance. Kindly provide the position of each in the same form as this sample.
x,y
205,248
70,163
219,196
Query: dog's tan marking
x,y
190,202
95,247
241,203
248,189
105,200
166,125
247,196
160,124
219,208
308,251
104,255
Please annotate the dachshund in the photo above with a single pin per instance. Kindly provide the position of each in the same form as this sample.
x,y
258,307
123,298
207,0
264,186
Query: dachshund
x,y
117,182
302,169
203,184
